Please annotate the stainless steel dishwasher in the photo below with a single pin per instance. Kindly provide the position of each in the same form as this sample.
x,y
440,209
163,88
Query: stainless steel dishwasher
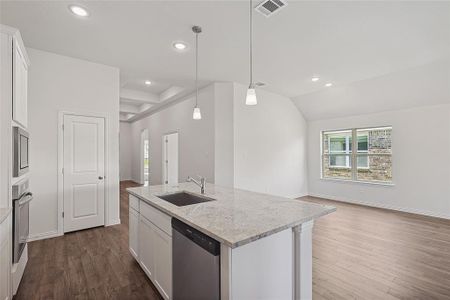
x,y
195,264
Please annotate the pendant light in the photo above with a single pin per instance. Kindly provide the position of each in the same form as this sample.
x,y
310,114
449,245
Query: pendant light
x,y
196,115
251,92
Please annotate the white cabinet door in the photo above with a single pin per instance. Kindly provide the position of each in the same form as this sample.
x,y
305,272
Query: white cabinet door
x,y
154,247
134,233
20,86
5,260
163,262
146,248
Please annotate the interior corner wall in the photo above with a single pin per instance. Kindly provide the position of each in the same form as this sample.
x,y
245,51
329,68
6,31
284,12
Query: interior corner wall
x,y
60,83
125,139
269,145
195,138
421,161
224,134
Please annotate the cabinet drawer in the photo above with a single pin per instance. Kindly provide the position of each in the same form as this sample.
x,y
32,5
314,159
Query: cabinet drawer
x,y
134,202
158,218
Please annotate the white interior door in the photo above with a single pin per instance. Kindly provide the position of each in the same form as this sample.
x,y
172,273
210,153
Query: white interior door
x,y
170,159
84,172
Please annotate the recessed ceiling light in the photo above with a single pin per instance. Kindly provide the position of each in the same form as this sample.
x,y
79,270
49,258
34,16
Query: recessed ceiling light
x,y
328,84
315,78
78,10
148,82
179,45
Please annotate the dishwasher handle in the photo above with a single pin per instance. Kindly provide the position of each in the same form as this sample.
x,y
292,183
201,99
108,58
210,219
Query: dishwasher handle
x,y
199,238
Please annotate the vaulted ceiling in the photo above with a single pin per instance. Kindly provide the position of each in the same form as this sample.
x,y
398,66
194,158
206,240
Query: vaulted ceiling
x,y
341,41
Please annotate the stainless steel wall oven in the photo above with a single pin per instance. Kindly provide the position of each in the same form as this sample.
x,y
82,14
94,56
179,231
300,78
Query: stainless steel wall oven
x,y
21,217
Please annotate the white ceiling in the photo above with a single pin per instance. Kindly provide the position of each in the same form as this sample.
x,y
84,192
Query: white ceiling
x,y
342,42
419,86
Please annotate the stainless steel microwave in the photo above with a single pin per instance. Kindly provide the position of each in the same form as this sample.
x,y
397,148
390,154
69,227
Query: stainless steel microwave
x,y
21,149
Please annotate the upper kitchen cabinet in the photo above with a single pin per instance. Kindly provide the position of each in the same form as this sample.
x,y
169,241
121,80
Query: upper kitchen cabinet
x,y
20,82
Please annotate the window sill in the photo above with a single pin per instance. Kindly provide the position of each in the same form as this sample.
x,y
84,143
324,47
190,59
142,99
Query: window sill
x,y
358,181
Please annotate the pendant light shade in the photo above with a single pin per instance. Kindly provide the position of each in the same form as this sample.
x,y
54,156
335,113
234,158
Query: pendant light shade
x,y
251,92
196,114
251,96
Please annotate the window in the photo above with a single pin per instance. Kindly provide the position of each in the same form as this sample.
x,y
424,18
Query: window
x,y
369,158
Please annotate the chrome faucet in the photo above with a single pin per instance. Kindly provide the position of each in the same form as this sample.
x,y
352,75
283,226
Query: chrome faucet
x,y
200,183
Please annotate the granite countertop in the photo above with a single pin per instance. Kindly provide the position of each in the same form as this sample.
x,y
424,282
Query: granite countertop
x,y
4,213
237,217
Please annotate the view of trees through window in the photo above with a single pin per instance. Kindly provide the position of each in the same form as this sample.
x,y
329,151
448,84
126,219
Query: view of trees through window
x,y
358,154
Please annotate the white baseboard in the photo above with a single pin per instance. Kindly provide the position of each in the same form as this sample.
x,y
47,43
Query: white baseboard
x,y
43,235
55,233
114,222
298,196
378,205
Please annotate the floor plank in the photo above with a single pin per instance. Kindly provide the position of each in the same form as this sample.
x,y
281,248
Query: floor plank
x,y
358,253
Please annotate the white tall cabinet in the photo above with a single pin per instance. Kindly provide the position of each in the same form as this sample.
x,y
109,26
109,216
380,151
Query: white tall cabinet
x,y
20,85
13,112
5,259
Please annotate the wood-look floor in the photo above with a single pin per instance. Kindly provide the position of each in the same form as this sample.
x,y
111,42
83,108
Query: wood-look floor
x,y
359,253
368,253
88,264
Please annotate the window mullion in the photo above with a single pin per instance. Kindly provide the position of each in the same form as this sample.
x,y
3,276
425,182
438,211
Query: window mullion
x,y
354,156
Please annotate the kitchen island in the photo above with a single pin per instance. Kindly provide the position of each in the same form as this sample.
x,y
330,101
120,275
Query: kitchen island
x,y
265,241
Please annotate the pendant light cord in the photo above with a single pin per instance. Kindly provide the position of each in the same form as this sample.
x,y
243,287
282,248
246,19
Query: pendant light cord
x,y
196,69
251,43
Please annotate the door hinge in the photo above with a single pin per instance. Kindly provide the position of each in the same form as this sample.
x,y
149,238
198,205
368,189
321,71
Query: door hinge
x,y
167,141
62,171
63,214
166,182
62,126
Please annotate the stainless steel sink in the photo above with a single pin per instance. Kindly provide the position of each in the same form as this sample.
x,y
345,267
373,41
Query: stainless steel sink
x,y
184,198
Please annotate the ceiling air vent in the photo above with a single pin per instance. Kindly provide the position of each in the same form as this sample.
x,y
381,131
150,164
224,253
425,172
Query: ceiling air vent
x,y
268,7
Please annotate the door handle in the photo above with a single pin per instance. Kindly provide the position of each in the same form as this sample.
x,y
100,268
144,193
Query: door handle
x,y
100,177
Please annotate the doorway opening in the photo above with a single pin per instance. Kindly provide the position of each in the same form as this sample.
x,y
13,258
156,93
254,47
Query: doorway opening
x,y
145,158
170,159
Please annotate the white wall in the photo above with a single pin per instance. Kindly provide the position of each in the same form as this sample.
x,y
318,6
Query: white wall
x,y
59,83
421,161
224,134
269,145
195,139
125,149
260,148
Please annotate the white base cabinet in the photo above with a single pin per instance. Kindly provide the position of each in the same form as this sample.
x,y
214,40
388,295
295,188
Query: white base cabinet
x,y
151,244
163,262
134,231
146,249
